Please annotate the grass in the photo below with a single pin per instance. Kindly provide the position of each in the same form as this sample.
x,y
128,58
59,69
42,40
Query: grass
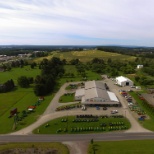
x,y
58,146
67,98
148,123
14,73
26,100
122,147
20,98
88,55
71,69
57,126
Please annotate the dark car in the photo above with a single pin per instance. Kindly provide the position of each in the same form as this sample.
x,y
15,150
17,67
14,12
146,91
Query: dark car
x,y
104,108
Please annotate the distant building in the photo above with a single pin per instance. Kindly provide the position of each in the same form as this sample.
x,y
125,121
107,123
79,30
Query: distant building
x,y
139,66
95,93
123,81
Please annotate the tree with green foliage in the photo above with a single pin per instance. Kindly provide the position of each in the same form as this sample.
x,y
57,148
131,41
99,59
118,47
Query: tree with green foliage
x,y
23,81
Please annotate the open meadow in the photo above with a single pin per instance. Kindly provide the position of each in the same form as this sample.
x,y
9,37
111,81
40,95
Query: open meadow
x,y
87,55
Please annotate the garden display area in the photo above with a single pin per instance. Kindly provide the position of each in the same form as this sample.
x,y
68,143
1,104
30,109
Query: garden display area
x,y
84,124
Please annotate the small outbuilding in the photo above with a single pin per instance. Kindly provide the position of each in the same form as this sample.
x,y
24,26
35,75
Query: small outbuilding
x,y
123,81
139,66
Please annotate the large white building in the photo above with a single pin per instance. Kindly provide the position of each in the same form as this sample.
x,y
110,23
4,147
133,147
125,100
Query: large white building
x,y
123,81
95,93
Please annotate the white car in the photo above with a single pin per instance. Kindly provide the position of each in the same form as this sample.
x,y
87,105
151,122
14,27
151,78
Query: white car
x,y
114,111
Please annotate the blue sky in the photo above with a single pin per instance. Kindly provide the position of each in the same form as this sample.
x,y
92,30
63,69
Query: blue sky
x,y
77,22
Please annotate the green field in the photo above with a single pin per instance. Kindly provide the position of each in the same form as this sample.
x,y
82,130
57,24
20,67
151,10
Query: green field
x,y
14,73
68,125
61,149
20,98
122,147
88,55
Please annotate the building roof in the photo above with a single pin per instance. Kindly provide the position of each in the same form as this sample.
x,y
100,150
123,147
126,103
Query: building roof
x,y
122,79
96,92
96,89
94,84
112,96
80,92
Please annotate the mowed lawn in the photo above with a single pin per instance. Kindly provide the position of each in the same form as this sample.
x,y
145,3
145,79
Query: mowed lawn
x,y
17,72
19,98
122,147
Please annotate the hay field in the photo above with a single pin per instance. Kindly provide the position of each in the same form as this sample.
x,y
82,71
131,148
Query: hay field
x,y
87,55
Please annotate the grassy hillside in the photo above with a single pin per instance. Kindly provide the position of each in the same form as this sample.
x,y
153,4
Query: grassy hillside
x,y
88,55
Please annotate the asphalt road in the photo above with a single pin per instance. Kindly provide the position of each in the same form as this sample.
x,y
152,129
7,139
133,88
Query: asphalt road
x,y
77,137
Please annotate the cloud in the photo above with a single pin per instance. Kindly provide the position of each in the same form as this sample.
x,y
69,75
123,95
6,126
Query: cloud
x,y
88,21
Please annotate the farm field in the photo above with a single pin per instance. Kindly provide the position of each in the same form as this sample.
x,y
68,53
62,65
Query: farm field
x,y
88,55
122,147
31,148
75,125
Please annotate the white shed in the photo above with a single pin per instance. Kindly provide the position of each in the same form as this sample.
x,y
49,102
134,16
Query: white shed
x,y
123,81
139,66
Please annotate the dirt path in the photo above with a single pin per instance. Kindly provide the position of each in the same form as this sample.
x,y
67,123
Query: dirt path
x,y
77,147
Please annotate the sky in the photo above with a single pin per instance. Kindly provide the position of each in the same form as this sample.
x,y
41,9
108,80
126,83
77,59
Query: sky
x,y
77,22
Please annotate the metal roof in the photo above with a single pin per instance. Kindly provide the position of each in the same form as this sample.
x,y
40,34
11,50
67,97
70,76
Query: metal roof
x,y
95,93
112,96
80,92
94,84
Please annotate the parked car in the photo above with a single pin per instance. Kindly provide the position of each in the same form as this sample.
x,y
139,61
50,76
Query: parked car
x,y
114,111
104,108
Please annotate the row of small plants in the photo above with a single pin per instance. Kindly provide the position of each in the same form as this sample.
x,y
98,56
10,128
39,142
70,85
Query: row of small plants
x,y
68,107
83,124
85,129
